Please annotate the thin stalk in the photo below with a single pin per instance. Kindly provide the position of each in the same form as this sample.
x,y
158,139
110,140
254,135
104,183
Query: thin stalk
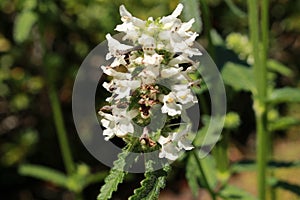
x,y
208,27
260,106
220,153
61,130
206,184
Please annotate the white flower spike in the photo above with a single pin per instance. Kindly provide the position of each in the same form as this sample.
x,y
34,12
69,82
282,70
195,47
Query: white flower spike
x,y
149,78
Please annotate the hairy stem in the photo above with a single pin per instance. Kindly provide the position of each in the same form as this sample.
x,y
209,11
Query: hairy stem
x,y
206,184
260,72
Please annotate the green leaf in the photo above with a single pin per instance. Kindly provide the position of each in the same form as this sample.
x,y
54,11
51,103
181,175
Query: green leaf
x,y
250,165
279,68
44,173
191,10
283,123
152,184
116,174
209,168
239,77
23,24
286,186
231,192
96,177
285,95
192,175
235,10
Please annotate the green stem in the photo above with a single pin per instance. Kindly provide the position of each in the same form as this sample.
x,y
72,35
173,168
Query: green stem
x,y
208,27
206,184
61,130
260,72
220,153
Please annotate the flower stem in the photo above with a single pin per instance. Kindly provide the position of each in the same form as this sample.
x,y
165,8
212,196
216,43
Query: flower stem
x,y
260,72
220,153
206,184
208,27
61,130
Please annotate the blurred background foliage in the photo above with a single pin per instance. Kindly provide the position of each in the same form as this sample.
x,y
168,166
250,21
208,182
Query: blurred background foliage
x,y
42,44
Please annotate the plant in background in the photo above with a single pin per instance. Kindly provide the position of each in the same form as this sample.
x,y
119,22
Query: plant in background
x,y
151,90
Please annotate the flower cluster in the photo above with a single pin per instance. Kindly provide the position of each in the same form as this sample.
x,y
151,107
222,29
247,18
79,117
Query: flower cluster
x,y
151,75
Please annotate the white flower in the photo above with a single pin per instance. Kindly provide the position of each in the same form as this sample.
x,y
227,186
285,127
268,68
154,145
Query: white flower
x,y
184,94
175,143
119,123
149,74
169,20
170,105
115,47
153,60
124,87
181,138
169,149
148,43
118,75
171,71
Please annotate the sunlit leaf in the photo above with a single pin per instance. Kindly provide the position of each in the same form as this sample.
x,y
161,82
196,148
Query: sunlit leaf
x,y
44,173
23,24
192,175
286,186
285,95
239,77
231,192
250,165
276,66
283,123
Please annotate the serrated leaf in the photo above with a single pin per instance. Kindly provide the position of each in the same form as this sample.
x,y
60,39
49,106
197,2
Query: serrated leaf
x,y
287,186
191,10
283,123
239,77
285,95
116,175
152,184
279,68
250,165
44,173
23,24
192,175
231,192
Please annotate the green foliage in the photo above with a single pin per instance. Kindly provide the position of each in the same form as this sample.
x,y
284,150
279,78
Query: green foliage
x,y
283,123
116,174
23,25
232,120
284,95
152,184
192,175
240,44
276,66
239,77
250,165
44,173
281,184
75,182
206,177
15,151
230,192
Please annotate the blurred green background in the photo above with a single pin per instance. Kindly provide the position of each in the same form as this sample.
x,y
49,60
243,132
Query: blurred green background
x,y
42,44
